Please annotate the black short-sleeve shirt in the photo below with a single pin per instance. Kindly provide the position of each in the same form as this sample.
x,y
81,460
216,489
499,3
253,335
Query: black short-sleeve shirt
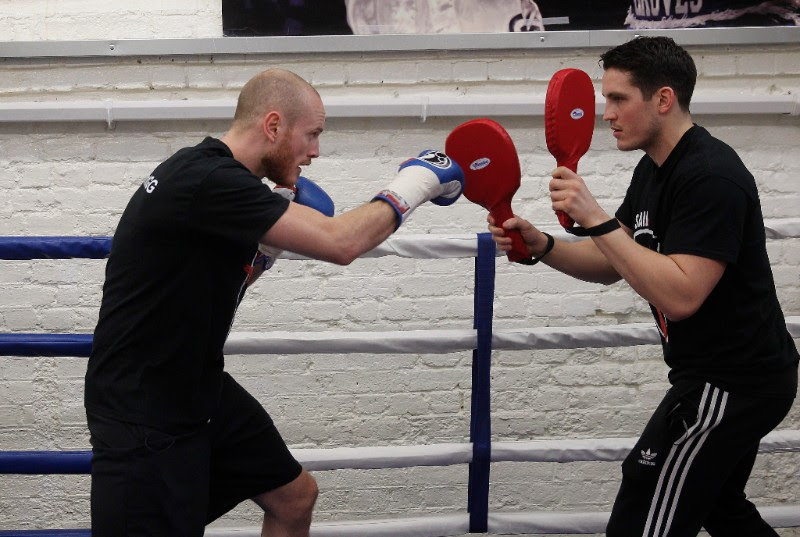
x,y
179,261
702,201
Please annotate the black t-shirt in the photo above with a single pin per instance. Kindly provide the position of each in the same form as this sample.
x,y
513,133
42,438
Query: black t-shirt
x,y
176,274
702,201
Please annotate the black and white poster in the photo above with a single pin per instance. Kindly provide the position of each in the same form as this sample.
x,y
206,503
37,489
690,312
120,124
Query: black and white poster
x,y
370,17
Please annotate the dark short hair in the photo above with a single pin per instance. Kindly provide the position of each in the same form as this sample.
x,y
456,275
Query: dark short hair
x,y
655,62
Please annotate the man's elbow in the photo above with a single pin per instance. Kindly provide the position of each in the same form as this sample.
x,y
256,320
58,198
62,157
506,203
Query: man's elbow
x,y
343,253
681,310
343,258
608,279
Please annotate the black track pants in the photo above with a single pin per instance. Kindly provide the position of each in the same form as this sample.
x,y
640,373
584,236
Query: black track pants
x,y
690,466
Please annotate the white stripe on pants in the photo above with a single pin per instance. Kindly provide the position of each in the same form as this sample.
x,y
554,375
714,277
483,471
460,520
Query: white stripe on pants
x,y
679,462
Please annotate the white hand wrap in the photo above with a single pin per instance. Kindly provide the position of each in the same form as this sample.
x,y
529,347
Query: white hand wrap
x,y
412,187
431,176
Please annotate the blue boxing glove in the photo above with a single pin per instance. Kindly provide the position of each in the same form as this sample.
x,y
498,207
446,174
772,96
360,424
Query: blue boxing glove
x,y
308,193
432,176
305,192
451,178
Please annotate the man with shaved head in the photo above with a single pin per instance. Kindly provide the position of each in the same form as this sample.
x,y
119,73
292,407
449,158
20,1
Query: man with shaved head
x,y
176,441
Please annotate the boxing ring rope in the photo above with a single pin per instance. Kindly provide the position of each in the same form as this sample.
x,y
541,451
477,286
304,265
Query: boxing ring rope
x,y
411,246
478,453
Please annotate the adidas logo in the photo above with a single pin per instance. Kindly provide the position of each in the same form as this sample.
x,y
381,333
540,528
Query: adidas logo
x,y
648,458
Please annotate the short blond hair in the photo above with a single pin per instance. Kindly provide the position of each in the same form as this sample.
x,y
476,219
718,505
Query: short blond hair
x,y
272,90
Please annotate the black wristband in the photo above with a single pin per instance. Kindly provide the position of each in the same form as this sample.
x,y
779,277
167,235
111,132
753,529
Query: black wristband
x,y
532,261
601,229
595,231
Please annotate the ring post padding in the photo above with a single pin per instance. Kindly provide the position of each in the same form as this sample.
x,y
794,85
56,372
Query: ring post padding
x,y
480,421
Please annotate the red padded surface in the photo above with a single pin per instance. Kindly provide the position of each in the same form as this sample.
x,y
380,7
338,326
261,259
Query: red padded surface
x,y
569,113
486,153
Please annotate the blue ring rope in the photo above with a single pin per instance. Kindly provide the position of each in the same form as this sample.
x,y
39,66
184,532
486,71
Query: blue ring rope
x,y
20,248
80,345
45,462
77,345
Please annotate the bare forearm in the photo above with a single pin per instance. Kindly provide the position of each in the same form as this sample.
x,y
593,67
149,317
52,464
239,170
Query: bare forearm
x,y
675,284
338,240
581,260
362,229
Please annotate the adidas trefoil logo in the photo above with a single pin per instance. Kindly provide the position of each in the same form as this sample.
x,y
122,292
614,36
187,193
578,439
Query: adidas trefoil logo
x,y
648,458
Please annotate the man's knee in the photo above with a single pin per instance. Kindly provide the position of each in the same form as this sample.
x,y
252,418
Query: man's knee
x,y
295,500
306,497
739,517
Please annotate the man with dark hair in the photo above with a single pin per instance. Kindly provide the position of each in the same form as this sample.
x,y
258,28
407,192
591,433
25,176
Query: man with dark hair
x,y
689,238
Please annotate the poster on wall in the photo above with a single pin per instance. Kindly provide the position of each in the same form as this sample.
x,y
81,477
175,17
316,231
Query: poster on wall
x,y
366,17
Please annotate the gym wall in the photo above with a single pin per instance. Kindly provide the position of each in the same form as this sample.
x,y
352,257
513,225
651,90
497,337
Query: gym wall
x,y
60,176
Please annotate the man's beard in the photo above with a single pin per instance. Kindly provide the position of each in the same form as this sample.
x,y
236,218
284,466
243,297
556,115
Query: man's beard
x,y
648,139
652,135
279,166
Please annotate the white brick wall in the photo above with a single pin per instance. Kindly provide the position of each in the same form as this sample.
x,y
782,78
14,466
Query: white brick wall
x,y
43,20
75,178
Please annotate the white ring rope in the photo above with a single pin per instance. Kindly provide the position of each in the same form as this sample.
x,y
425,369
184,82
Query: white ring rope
x,y
447,341
454,340
609,449
550,450
376,457
582,523
421,247
429,526
466,245
498,523
782,229
527,522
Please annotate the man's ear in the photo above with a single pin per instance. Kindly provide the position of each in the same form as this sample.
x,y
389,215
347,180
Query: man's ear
x,y
666,99
270,124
